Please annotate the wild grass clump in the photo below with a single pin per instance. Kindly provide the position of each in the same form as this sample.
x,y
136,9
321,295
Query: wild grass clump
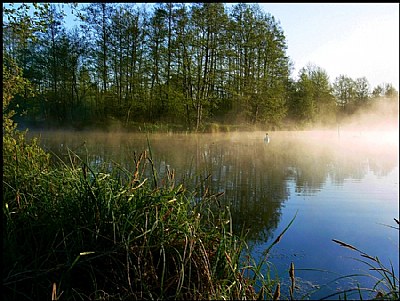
x,y
386,281
76,234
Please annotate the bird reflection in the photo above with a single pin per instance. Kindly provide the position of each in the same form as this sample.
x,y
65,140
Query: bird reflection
x,y
266,138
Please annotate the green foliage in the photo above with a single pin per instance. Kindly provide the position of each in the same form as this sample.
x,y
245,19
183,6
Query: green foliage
x,y
13,84
261,68
187,63
116,235
345,92
174,63
385,90
21,22
312,99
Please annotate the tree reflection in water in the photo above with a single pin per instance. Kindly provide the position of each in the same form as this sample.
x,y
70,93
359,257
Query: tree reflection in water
x,y
253,176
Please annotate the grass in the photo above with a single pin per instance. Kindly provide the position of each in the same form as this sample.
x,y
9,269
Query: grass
x,y
386,285
386,282
72,233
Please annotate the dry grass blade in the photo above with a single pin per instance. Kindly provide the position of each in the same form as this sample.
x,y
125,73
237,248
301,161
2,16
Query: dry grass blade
x,y
343,244
277,240
291,274
261,294
380,269
277,293
379,295
291,271
138,186
369,257
54,292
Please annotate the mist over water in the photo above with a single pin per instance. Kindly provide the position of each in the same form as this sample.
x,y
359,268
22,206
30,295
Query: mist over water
x,y
343,182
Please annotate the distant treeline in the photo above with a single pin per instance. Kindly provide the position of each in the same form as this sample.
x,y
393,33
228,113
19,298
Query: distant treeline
x,y
179,63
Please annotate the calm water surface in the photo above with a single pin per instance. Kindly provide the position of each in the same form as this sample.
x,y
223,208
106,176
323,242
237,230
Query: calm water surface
x,y
342,185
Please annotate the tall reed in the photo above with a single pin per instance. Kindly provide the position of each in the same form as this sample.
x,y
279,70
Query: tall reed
x,y
386,285
72,232
386,281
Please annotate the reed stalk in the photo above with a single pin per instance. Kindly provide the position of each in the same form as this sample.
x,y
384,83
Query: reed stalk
x,y
73,232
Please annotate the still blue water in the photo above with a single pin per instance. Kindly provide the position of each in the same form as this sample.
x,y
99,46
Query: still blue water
x,y
356,212
342,186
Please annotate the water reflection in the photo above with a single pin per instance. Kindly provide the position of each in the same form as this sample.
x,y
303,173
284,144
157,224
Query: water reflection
x,y
254,176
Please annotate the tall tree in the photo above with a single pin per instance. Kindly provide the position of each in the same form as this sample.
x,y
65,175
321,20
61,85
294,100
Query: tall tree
x,y
170,62
20,27
261,67
361,91
209,22
96,17
312,99
302,106
344,92
390,91
158,47
184,78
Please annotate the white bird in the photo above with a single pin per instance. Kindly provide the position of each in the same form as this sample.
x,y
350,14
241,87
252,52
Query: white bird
x,y
266,138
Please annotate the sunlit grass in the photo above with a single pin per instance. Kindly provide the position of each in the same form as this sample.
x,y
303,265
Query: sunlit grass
x,y
76,233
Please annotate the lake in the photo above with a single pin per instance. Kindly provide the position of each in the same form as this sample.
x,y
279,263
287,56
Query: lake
x,y
343,185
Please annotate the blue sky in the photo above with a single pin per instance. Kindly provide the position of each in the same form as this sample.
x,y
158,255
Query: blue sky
x,y
359,39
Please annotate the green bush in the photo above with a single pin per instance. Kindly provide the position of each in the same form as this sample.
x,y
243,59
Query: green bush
x,y
90,235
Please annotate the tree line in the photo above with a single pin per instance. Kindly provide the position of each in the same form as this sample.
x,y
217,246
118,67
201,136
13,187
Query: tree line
x,y
177,63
